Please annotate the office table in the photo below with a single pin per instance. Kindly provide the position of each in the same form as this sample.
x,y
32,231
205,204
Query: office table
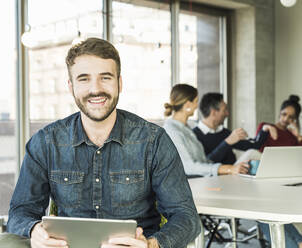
x,y
265,200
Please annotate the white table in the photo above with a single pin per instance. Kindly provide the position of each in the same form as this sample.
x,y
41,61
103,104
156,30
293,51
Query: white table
x,y
266,200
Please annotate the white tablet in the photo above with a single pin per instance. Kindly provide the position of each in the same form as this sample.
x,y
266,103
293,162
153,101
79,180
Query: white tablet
x,y
87,232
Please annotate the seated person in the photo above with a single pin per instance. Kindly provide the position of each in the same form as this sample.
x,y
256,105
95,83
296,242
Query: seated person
x,y
287,128
287,125
183,103
82,160
218,141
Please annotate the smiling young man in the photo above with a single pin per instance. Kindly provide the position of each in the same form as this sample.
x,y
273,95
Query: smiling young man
x,y
103,163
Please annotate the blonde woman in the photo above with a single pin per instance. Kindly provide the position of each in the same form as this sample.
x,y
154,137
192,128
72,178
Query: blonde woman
x,y
183,103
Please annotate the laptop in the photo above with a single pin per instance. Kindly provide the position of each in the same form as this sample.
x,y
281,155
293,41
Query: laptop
x,y
278,162
87,232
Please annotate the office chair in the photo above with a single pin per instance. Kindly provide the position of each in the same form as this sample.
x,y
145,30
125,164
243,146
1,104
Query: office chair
x,y
215,230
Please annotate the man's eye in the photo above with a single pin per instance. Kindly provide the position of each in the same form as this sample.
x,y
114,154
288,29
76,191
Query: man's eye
x,y
83,79
106,78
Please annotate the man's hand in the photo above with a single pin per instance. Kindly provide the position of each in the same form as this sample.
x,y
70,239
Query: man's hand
x,y
237,135
240,168
139,241
272,131
40,239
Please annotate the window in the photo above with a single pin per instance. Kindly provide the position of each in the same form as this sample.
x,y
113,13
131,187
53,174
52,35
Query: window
x,y
188,49
54,25
141,31
202,51
8,145
142,35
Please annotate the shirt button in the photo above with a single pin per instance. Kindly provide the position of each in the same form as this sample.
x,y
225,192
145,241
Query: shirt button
x,y
97,180
98,152
127,178
97,207
66,179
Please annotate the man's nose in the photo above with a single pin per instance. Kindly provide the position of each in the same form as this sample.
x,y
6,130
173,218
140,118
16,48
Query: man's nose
x,y
96,85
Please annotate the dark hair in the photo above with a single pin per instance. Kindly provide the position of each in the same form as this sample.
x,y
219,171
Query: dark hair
x,y
93,46
210,101
180,94
293,101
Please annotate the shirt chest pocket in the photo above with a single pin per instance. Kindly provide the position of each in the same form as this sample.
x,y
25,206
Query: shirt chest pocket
x,y
127,187
67,187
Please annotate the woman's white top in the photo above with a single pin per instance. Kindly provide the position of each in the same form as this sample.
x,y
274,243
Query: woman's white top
x,y
190,150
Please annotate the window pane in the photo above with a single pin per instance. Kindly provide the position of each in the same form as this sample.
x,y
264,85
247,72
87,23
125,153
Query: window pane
x,y
7,105
200,51
54,25
188,49
142,36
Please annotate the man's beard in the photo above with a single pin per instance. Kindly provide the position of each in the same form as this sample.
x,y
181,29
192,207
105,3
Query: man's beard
x,y
108,110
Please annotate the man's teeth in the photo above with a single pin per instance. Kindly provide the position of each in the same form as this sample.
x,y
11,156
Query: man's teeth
x,y
97,100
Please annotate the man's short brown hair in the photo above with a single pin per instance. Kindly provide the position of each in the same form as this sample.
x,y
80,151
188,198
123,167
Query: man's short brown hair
x,y
94,46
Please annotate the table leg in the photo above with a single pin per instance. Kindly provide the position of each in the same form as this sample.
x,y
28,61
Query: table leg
x,y
234,232
277,235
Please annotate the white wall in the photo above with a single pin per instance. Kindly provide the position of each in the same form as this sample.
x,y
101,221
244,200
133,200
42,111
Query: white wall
x,y
288,56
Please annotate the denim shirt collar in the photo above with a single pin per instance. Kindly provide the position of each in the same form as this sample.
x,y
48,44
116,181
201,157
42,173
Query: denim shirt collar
x,y
117,133
80,136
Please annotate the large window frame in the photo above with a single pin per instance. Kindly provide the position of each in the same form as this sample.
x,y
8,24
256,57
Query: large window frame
x,y
22,92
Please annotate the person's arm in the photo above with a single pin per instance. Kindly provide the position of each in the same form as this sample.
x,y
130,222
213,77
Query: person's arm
x,y
173,195
293,128
31,195
192,167
219,153
263,131
255,143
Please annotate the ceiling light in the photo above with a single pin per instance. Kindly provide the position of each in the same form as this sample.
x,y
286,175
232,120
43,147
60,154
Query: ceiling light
x,y
288,3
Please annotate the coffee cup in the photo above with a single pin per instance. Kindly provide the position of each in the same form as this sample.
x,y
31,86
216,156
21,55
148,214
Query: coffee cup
x,y
253,166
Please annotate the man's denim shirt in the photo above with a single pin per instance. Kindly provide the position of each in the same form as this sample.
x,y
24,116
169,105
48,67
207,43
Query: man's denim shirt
x,y
136,174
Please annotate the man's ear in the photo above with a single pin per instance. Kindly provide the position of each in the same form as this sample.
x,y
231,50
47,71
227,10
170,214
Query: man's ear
x,y
70,86
213,112
120,83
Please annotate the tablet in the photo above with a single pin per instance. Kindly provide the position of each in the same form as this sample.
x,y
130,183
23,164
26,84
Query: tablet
x,y
87,232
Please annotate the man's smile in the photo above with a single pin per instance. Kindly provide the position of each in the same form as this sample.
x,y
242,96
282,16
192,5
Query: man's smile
x,y
97,100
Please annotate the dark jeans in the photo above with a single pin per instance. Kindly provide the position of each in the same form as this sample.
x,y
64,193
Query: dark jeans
x,y
292,236
8,240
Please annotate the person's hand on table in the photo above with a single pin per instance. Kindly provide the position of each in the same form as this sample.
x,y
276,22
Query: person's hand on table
x,y
240,168
229,169
40,238
139,241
